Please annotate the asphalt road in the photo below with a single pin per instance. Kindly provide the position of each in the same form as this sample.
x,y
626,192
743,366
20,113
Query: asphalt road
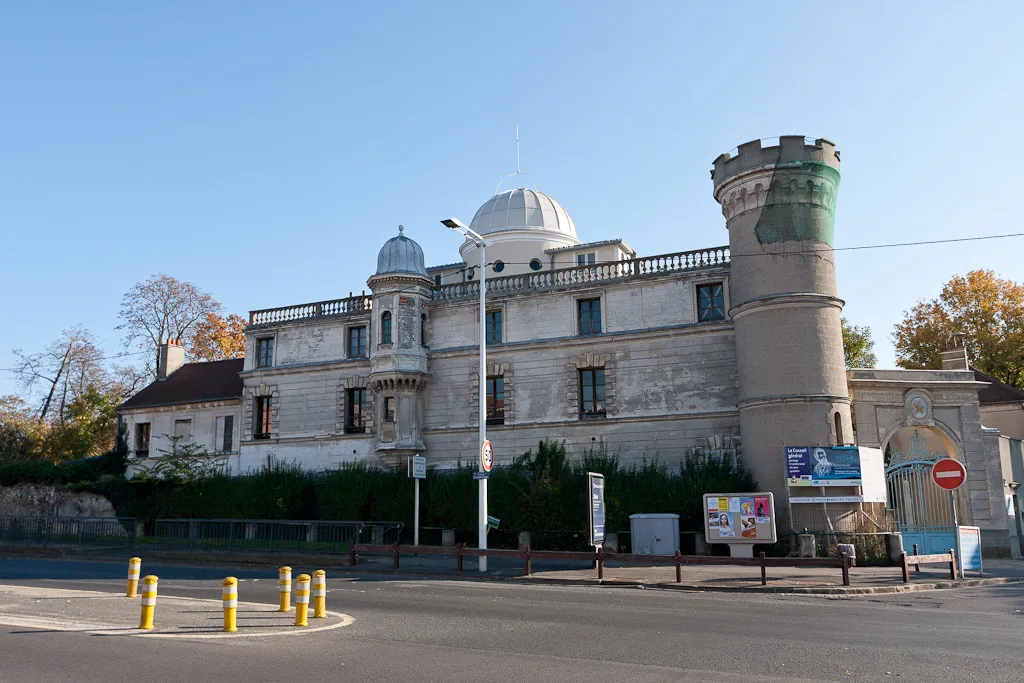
x,y
424,630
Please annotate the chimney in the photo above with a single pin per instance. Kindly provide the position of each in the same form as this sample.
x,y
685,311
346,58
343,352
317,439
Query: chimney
x,y
172,357
955,357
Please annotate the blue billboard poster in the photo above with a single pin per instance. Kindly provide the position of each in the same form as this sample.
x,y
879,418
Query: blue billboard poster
x,y
823,466
595,491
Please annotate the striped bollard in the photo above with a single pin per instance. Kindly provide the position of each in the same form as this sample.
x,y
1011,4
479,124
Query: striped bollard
x,y
319,594
148,602
230,597
302,600
284,587
134,569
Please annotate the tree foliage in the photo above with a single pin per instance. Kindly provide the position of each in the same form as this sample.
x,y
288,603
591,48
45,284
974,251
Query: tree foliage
x,y
858,347
160,309
64,370
218,338
986,310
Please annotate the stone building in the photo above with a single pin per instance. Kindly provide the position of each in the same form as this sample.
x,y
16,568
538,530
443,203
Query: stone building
x,y
735,349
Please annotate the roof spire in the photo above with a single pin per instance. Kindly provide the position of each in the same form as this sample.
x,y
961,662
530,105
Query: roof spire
x,y
401,228
517,150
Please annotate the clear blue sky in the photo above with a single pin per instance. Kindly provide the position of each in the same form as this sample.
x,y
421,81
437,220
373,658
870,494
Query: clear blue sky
x,y
265,150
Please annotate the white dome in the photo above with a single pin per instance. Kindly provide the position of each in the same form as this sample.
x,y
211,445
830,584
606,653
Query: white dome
x,y
523,209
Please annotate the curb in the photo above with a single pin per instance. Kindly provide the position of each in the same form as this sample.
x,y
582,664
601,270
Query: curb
x,y
343,567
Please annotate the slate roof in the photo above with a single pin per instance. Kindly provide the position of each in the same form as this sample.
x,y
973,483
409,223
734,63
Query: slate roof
x,y
193,383
996,392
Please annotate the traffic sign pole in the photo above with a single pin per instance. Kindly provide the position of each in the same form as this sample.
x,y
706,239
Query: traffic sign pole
x,y
416,513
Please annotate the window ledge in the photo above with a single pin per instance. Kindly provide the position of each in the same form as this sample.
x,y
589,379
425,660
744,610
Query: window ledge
x,y
593,416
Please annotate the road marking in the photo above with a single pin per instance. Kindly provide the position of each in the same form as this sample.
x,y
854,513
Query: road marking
x,y
108,629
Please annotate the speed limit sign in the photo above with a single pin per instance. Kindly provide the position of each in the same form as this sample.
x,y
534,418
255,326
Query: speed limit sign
x,y
486,457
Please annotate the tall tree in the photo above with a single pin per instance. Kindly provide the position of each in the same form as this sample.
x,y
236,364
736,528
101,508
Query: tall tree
x,y
218,338
63,370
858,347
987,310
160,309
21,433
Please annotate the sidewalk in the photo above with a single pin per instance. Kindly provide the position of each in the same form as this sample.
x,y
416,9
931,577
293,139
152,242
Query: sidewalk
x,y
827,581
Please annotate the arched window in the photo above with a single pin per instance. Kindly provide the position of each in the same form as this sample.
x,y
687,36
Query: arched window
x,y
839,430
385,327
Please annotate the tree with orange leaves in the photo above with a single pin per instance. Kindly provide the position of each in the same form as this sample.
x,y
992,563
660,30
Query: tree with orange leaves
x,y
986,310
218,338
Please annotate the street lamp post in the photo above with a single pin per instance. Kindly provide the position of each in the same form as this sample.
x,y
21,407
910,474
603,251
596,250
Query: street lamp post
x,y
481,244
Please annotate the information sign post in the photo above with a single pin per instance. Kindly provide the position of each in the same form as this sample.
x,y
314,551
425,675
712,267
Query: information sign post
x,y
417,470
595,512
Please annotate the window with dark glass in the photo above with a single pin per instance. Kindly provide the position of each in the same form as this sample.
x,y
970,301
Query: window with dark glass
x,y
389,409
423,329
357,342
589,312
493,321
499,266
224,437
495,400
385,327
357,414
264,404
586,259
142,439
265,352
592,393
437,280
535,264
710,302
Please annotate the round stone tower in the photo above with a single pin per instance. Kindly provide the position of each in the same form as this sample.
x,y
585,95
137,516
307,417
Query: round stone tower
x,y
779,204
398,347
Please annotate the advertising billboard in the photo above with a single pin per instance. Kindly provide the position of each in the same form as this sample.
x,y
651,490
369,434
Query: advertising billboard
x,y
823,466
739,518
595,491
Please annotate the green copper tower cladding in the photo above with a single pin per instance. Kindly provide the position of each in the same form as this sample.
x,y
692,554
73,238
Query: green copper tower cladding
x,y
779,203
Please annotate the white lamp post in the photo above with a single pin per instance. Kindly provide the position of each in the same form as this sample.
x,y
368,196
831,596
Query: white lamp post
x,y
481,244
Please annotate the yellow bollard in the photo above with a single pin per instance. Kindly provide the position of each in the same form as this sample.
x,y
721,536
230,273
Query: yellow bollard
x,y
134,569
302,600
230,596
284,587
319,594
148,602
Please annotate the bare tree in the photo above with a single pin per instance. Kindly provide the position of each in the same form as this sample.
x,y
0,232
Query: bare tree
x,y
64,370
160,309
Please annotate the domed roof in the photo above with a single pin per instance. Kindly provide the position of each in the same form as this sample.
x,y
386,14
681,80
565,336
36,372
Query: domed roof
x,y
401,255
523,209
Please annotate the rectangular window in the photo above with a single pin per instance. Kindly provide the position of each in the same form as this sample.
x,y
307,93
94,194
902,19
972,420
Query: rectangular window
x,y
589,312
264,405
385,327
357,412
225,436
710,302
265,352
437,280
389,409
183,429
592,393
494,327
586,259
142,440
357,342
495,400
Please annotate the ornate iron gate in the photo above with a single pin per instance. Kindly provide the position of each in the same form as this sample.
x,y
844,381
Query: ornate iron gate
x,y
922,510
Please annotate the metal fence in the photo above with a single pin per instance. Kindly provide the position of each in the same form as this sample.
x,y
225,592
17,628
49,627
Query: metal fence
x,y
266,536
67,532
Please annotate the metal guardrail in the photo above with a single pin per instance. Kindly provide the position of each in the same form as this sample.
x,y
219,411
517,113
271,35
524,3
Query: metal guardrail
x,y
600,558
270,536
67,532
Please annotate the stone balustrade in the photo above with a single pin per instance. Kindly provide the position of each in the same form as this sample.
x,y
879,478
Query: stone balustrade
x,y
352,305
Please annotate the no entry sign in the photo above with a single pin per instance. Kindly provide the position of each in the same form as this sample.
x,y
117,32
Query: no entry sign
x,y
949,474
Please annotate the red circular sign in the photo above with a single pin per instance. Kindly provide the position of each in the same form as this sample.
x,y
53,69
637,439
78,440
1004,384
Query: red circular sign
x,y
949,474
486,457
